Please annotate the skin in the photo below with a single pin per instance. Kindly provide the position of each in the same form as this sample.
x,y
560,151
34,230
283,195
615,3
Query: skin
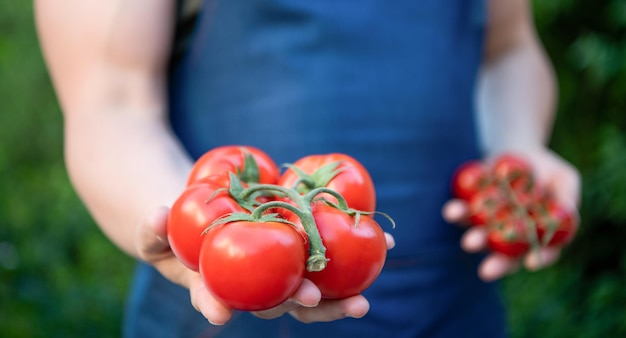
x,y
107,60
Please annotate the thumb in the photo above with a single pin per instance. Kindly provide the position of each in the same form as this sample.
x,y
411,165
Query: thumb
x,y
153,248
151,241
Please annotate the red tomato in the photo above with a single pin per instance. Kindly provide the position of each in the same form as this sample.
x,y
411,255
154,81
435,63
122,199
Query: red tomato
x,y
509,238
356,253
217,180
513,170
556,222
469,179
352,181
252,266
233,159
486,206
512,206
532,198
194,210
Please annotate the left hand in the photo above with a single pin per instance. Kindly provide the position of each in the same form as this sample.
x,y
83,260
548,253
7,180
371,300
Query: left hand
x,y
550,170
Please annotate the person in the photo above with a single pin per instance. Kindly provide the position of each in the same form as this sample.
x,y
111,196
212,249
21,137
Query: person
x,y
410,88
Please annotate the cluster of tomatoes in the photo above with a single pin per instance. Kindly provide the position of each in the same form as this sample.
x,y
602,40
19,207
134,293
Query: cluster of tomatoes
x,y
254,234
519,213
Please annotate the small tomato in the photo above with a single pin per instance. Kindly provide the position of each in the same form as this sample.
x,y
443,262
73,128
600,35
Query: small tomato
x,y
252,266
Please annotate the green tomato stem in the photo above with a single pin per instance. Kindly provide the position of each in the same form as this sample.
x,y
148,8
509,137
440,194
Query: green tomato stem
x,y
277,189
317,251
342,204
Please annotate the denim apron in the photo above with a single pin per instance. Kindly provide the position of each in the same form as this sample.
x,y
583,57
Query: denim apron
x,y
389,82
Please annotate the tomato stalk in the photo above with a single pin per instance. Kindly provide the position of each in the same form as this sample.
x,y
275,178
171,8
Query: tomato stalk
x,y
530,226
320,178
317,251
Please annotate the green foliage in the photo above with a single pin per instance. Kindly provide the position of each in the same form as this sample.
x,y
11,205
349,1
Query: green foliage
x,y
584,294
60,277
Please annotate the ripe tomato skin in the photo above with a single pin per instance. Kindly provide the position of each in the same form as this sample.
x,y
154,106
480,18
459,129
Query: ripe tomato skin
x,y
231,159
509,238
217,180
486,206
356,253
191,214
354,182
562,220
514,170
252,266
469,179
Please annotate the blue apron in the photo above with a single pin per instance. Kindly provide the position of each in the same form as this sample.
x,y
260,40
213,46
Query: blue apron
x,y
390,83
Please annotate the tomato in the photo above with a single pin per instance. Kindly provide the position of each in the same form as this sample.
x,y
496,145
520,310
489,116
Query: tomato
x,y
194,210
486,206
514,171
356,253
518,213
216,180
556,225
233,159
469,179
509,238
252,266
352,180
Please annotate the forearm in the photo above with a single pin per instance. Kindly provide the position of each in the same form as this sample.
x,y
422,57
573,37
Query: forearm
x,y
517,95
108,61
517,92
123,165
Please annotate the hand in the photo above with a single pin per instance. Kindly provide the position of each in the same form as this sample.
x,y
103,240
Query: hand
x,y
305,305
323,310
153,248
551,171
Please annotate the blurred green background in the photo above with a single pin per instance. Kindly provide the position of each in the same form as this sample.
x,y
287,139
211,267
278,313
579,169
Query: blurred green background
x,y
60,277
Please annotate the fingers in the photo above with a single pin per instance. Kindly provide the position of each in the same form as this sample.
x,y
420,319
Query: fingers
x,y
308,295
474,239
153,247
391,242
151,235
544,257
496,266
455,211
204,302
330,309
308,306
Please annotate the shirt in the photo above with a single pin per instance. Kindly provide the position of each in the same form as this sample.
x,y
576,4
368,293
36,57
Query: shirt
x,y
389,83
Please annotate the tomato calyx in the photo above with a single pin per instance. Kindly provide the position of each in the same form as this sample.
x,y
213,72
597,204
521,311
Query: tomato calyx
x,y
302,209
250,172
320,178
250,164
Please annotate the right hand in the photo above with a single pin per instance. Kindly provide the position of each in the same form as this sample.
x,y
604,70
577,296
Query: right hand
x,y
306,305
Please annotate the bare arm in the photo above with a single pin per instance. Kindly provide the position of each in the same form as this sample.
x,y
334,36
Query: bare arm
x,y
517,98
107,60
517,91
